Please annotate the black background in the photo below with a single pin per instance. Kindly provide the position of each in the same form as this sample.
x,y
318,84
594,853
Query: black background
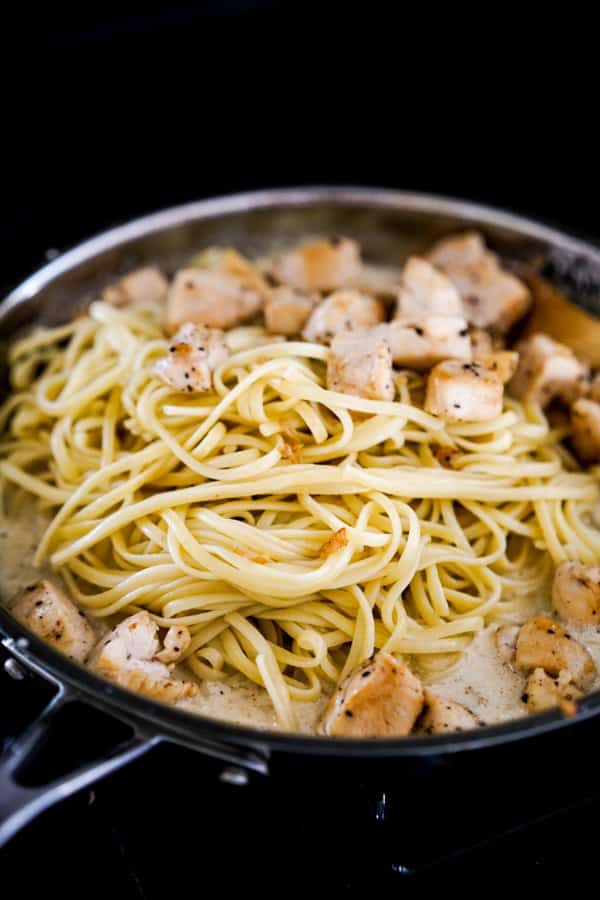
x,y
113,110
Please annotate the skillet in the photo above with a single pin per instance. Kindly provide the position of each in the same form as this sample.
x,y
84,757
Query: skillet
x,y
389,225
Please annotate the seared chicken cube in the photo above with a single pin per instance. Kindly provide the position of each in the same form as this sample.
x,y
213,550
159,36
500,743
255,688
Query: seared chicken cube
x,y
193,354
576,593
380,699
543,643
129,656
227,261
47,611
361,365
441,716
492,297
210,298
464,392
422,344
425,291
481,342
585,430
342,311
143,288
544,691
503,362
547,370
320,266
175,643
287,311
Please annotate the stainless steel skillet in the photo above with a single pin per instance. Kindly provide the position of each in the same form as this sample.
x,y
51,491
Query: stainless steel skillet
x,y
389,226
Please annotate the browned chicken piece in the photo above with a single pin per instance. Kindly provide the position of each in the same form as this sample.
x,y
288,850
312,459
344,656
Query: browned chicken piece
x,y
576,593
320,265
342,311
193,354
380,699
464,392
422,344
492,297
547,371
585,430
361,365
441,716
129,656
544,691
215,299
143,288
425,291
503,362
481,342
175,643
543,643
47,611
227,261
506,642
287,311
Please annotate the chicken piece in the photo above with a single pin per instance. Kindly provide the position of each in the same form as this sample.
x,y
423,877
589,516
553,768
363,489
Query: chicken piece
x,y
227,261
481,342
47,611
342,311
193,354
576,593
547,370
287,311
129,656
506,642
492,297
361,365
441,716
423,344
585,428
425,291
543,691
210,298
464,392
320,266
543,643
503,362
143,288
175,643
380,699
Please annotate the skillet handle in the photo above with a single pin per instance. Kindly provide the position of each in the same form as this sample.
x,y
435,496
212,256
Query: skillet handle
x,y
20,803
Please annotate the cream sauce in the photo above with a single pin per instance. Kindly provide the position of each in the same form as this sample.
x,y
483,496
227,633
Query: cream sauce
x,y
480,680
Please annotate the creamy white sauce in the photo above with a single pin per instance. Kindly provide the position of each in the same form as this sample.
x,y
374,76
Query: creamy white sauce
x,y
480,680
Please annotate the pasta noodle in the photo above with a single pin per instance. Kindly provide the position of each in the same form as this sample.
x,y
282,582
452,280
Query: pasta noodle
x,y
294,529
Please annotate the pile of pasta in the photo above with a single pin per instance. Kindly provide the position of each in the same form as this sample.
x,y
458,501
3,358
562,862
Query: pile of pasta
x,y
293,529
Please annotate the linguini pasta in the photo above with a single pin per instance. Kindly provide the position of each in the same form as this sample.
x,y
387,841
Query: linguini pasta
x,y
293,529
